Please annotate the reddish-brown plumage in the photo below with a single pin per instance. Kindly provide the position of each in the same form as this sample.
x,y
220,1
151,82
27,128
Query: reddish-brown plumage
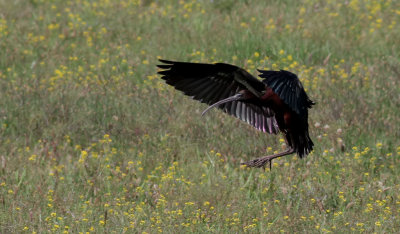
x,y
272,99
283,114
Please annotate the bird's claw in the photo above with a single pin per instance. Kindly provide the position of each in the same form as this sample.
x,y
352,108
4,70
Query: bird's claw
x,y
258,163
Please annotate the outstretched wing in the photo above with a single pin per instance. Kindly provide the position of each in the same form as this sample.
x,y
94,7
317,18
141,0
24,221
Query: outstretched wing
x,y
289,88
209,83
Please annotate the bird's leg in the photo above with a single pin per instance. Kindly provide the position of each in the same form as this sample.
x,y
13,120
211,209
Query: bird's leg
x,y
260,162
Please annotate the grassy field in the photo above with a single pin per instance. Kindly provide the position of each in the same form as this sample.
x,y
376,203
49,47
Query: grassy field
x,y
93,141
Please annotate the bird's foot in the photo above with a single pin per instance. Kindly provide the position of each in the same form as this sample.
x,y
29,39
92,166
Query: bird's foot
x,y
259,162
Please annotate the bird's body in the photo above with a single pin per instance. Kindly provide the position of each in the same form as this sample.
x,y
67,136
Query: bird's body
x,y
277,103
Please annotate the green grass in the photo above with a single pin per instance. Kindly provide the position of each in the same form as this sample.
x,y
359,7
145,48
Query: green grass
x,y
93,141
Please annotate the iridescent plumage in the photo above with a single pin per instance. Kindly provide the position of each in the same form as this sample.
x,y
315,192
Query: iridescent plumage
x,y
277,103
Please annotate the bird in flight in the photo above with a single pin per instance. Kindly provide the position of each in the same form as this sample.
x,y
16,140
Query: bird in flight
x,y
276,103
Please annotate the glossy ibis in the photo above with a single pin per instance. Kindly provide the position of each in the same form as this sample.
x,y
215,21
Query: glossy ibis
x,y
276,103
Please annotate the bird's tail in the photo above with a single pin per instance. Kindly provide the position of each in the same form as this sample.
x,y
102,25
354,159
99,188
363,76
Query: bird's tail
x,y
300,141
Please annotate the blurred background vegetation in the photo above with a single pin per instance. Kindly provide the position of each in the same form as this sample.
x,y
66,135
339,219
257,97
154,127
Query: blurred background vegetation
x,y
93,141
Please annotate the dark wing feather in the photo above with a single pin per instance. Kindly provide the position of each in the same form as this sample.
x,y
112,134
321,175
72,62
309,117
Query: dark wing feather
x,y
209,83
289,88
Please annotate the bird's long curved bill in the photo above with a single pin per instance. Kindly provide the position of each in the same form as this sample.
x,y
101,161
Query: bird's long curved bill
x,y
236,97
